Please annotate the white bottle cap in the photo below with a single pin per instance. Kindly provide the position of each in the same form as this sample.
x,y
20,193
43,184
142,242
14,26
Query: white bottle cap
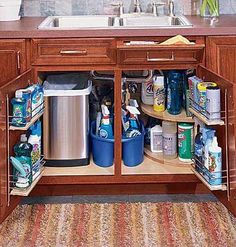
x,y
158,80
23,138
105,111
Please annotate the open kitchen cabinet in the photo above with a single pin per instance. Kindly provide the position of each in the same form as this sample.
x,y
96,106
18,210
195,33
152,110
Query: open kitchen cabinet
x,y
120,56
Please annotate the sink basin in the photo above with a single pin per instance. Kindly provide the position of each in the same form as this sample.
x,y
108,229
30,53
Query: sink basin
x,y
105,21
76,22
155,21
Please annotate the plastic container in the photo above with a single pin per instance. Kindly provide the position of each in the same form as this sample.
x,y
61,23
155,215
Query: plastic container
x,y
174,92
103,149
147,93
9,10
133,149
169,134
159,93
156,139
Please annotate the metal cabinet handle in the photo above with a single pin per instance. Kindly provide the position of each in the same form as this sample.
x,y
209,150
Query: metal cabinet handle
x,y
73,52
18,60
172,58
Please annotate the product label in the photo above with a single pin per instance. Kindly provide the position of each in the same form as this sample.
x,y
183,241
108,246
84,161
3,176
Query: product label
x,y
168,98
149,89
103,133
185,143
35,154
159,98
169,144
214,161
157,142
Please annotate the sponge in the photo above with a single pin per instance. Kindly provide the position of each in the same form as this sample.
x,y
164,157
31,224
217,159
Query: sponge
x,y
178,39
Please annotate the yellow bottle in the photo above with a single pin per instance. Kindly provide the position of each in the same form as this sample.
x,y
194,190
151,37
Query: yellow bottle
x,y
158,94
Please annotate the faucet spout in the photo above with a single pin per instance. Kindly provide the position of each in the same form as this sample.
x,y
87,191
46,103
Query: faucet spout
x,y
137,7
171,8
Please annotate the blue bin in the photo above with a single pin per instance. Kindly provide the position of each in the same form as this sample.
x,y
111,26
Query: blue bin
x,y
102,149
133,149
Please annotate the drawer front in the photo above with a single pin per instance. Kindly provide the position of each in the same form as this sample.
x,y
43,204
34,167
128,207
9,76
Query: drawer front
x,y
164,55
73,51
148,54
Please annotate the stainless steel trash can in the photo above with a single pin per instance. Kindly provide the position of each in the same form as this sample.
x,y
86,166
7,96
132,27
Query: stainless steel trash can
x,y
66,126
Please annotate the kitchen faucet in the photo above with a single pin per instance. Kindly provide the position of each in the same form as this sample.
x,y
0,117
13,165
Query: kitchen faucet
x,y
137,7
171,7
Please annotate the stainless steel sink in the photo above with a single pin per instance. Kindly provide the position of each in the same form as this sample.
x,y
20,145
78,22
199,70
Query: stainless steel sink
x,y
77,22
105,21
155,21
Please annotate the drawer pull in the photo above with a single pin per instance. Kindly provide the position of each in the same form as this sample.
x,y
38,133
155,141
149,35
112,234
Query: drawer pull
x,y
68,52
172,58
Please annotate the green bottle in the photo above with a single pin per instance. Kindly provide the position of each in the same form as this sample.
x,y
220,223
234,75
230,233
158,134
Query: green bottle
x,y
185,142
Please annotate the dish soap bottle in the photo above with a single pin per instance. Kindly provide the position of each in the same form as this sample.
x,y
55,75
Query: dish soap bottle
x,y
22,165
105,130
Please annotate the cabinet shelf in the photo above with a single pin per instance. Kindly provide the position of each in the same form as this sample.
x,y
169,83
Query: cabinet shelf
x,y
204,119
148,109
89,170
158,157
210,187
29,124
150,167
26,191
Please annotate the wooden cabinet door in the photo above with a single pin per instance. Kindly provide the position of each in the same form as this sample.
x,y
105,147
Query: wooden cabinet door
x,y
221,56
13,59
7,140
226,136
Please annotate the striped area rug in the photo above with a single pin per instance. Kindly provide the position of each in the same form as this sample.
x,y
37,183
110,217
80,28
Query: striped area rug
x,y
120,225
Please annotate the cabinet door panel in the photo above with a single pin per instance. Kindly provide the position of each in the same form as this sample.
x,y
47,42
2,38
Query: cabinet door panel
x,y
221,56
13,60
228,197
7,140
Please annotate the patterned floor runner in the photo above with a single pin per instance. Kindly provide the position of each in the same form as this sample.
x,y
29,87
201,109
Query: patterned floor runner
x,y
120,225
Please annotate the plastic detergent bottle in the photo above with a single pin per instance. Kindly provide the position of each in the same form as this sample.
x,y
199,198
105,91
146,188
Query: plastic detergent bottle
x,y
22,165
35,141
156,139
207,135
147,92
105,130
169,135
215,163
158,93
133,129
174,92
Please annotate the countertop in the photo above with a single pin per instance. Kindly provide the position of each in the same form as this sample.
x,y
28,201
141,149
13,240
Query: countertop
x,y
27,28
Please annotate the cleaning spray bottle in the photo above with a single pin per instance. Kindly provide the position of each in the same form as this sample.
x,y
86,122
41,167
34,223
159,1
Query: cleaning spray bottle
x,y
215,163
105,130
133,129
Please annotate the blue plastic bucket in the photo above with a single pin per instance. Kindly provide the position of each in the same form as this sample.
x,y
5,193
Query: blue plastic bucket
x,y
102,149
133,149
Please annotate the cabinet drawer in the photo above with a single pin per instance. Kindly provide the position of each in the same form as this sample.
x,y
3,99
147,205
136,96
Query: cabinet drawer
x,y
160,54
73,51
